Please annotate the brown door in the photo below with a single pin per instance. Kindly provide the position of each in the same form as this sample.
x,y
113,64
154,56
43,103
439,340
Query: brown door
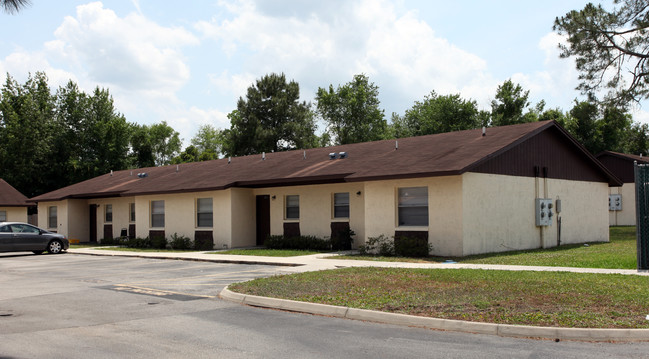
x,y
263,219
93,223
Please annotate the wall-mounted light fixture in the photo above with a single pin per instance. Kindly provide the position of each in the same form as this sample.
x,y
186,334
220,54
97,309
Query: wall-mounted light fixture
x,y
358,193
273,197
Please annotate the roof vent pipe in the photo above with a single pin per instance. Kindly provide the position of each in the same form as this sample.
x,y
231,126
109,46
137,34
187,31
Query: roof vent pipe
x,y
111,173
177,168
131,173
229,160
396,145
304,155
263,156
484,131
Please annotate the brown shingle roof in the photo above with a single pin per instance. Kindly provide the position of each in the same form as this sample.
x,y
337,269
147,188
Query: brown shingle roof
x,y
625,156
432,155
10,197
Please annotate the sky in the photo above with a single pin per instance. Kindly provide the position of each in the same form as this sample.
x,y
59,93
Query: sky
x,y
187,63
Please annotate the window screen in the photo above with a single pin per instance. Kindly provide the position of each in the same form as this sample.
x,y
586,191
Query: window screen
x,y
292,207
341,205
157,214
204,215
413,206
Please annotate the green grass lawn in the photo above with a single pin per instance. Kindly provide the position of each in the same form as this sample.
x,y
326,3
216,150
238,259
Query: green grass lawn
x,y
125,249
526,298
619,253
267,252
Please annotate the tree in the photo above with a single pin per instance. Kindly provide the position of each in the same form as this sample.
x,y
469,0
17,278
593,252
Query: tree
x,y
165,143
507,109
270,118
208,142
637,139
614,127
352,111
13,6
611,49
437,114
582,125
26,135
190,154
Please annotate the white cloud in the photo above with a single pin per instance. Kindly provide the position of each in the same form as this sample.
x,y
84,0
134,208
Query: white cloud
x,y
326,43
130,52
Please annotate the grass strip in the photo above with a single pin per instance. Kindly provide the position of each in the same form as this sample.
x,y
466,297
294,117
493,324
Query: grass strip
x,y
619,253
267,252
525,298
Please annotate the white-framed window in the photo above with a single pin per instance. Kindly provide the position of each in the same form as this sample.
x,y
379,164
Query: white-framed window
x,y
108,213
292,204
204,212
131,216
52,217
3,216
413,206
341,205
157,214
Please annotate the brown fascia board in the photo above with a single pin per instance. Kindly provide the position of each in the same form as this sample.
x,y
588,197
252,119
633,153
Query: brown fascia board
x,y
624,156
613,180
404,176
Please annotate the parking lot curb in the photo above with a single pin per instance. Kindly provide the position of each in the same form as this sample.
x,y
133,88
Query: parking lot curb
x,y
194,259
503,330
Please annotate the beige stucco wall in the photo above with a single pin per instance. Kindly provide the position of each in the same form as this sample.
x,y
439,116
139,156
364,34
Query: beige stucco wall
x,y
243,217
78,226
62,216
499,212
444,210
316,208
625,217
15,214
121,213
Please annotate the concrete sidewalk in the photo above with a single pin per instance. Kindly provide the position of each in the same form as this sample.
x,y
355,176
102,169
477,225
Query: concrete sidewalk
x,y
324,261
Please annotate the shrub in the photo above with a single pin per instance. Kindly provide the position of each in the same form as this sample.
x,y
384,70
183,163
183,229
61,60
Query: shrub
x,y
138,242
180,242
107,241
342,241
299,242
158,242
412,247
380,245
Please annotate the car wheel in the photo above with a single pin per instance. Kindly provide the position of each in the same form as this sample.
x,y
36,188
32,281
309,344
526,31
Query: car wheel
x,y
55,247
38,252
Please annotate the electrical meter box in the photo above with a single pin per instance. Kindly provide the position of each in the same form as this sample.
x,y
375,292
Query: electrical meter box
x,y
614,202
544,209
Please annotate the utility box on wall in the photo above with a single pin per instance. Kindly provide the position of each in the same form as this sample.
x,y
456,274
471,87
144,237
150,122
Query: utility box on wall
x,y
543,210
614,202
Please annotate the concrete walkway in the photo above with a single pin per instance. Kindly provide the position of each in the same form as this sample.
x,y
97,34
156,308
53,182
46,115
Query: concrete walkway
x,y
324,261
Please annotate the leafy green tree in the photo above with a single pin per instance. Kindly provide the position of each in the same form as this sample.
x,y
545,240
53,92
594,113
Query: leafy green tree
x,y
636,140
13,6
352,111
437,114
190,154
92,137
26,135
141,147
614,127
582,125
208,141
510,103
610,48
270,118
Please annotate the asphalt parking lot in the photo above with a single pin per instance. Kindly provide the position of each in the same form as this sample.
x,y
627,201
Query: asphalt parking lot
x,y
81,306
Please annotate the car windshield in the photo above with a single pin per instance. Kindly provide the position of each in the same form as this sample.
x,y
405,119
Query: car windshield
x,y
24,228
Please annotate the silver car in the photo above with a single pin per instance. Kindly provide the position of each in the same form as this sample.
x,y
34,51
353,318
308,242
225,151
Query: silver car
x,y
23,237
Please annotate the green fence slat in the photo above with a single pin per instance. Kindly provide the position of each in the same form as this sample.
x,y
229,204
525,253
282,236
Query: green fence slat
x,y
642,214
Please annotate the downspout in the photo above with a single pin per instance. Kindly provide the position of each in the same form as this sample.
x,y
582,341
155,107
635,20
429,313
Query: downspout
x,y
537,195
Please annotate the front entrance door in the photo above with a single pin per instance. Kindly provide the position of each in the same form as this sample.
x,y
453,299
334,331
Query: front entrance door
x,y
93,223
263,218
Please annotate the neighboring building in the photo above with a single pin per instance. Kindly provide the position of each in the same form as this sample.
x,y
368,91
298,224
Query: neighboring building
x,y
465,192
13,204
621,199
